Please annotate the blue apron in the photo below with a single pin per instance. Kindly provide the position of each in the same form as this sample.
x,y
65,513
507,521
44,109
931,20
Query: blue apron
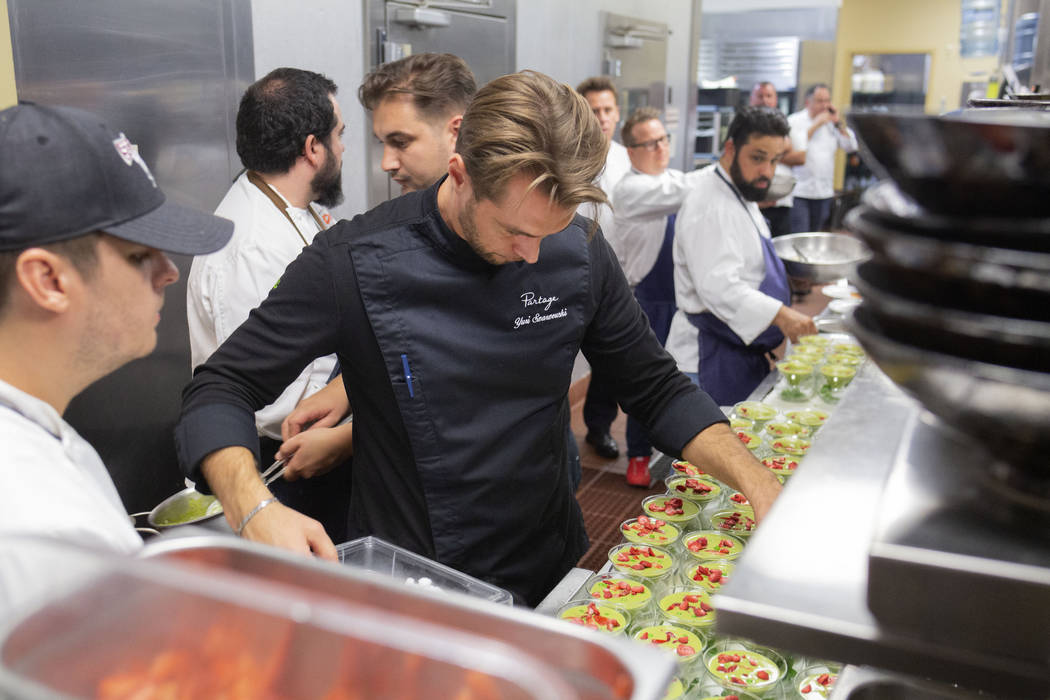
x,y
729,370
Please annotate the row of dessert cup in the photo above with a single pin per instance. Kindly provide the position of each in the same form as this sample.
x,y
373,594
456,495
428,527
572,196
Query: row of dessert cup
x,y
683,625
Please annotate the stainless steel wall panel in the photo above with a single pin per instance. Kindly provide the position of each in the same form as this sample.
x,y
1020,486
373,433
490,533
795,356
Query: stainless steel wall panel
x,y
168,74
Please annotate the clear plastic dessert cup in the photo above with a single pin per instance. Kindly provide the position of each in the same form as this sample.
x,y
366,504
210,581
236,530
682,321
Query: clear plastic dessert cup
x,y
752,440
628,593
736,665
709,545
653,565
741,423
816,680
797,379
780,428
738,521
756,411
820,341
791,445
710,575
697,489
686,646
680,466
834,379
594,615
848,349
674,509
812,418
675,690
691,608
648,531
783,465
841,358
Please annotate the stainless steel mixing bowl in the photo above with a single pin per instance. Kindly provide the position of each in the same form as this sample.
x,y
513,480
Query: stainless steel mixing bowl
x,y
820,257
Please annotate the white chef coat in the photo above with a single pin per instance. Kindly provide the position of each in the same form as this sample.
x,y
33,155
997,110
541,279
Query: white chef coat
x,y
718,266
617,164
55,485
225,286
643,203
816,178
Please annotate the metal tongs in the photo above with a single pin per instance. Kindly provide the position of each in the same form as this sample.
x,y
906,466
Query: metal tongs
x,y
274,472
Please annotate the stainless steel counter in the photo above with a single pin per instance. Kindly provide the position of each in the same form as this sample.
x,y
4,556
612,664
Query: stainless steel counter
x,y
802,584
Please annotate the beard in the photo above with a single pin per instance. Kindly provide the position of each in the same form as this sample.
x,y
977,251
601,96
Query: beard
x,y
327,184
748,190
469,229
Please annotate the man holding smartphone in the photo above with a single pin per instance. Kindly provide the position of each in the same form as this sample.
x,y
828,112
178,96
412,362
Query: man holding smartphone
x,y
817,131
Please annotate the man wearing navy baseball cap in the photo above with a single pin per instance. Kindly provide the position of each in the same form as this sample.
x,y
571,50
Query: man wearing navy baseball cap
x,y
83,234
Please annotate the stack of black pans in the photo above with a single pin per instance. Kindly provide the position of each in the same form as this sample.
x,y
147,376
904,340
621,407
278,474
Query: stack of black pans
x,y
957,295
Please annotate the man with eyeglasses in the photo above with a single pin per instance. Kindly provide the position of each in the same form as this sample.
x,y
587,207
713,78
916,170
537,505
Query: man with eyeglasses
x,y
647,199
731,288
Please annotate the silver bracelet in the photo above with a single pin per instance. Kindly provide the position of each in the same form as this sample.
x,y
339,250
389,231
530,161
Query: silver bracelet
x,y
253,512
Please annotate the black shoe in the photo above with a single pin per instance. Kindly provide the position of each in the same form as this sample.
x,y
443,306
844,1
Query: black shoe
x,y
604,445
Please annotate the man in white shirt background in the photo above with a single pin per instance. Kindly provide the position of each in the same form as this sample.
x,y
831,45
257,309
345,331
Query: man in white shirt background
x,y
82,278
600,408
777,212
647,199
730,287
289,138
817,131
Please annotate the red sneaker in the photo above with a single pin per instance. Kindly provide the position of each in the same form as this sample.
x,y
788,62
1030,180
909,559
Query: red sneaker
x,y
638,472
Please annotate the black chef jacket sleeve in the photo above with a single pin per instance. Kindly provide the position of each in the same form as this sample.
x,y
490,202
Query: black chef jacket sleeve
x,y
295,324
621,347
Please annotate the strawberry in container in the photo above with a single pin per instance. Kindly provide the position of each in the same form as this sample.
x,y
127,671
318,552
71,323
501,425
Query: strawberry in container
x,y
712,544
674,509
596,616
646,530
698,489
710,575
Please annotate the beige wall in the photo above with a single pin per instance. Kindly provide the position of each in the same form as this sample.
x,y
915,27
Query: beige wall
x,y
7,66
908,26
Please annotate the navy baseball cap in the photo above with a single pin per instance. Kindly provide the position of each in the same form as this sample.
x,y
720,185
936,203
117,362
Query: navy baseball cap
x,y
64,173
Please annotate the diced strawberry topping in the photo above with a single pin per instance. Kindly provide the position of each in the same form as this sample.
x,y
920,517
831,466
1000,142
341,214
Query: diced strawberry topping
x,y
764,675
823,679
806,688
737,681
686,650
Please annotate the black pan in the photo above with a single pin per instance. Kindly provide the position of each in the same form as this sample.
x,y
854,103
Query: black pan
x,y
1017,279
975,165
890,208
1005,408
1022,343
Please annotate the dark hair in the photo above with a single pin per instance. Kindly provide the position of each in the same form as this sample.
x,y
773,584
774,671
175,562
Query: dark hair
x,y
764,121
599,83
638,116
813,88
440,84
276,115
81,251
529,123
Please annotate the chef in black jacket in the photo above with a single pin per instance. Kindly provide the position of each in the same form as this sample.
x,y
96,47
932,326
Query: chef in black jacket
x,y
457,336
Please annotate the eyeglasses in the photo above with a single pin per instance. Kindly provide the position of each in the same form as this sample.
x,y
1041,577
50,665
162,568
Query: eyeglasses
x,y
653,144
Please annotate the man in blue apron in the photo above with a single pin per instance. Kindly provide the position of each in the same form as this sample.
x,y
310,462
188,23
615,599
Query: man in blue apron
x,y
457,338
731,288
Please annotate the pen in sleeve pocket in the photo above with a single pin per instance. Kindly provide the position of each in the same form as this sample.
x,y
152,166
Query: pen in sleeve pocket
x,y
408,375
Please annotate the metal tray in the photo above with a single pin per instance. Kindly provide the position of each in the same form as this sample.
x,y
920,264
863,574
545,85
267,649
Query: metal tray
x,y
595,666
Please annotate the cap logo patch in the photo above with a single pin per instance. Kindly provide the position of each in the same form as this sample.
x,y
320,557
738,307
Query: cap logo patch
x,y
129,153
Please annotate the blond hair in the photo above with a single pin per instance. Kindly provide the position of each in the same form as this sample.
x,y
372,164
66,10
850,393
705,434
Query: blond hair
x,y
638,116
529,123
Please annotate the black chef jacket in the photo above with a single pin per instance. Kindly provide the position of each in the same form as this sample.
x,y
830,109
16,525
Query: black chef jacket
x,y
458,372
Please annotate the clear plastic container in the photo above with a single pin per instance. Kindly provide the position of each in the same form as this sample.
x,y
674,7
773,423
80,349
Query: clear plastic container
x,y
694,488
780,428
680,466
818,340
741,423
708,545
791,445
674,509
812,418
691,608
736,665
796,379
834,379
783,465
651,564
752,440
711,575
627,593
686,646
374,554
594,615
815,680
736,521
675,690
757,411
646,530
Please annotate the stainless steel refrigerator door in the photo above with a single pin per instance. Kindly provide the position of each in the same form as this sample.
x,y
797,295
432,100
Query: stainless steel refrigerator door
x,y
480,32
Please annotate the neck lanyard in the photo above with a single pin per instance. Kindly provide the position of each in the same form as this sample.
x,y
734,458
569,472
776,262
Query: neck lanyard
x,y
255,179
739,199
